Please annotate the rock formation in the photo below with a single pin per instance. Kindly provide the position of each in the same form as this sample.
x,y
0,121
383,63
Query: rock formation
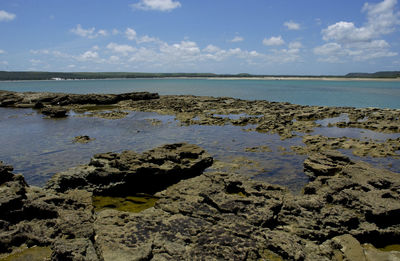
x,y
346,208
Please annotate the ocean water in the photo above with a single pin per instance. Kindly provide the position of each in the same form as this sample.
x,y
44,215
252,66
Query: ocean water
x,y
381,94
38,147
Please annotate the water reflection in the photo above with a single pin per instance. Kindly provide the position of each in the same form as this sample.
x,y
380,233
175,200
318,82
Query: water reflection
x,y
38,147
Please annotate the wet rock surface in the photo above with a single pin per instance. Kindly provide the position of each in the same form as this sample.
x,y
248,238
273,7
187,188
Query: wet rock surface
x,y
346,207
56,105
130,172
54,112
83,139
281,118
315,143
31,216
32,99
347,211
228,217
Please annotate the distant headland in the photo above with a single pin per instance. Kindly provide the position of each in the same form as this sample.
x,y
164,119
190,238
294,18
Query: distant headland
x,y
34,75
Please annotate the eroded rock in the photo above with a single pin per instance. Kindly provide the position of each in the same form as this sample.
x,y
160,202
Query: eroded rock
x,y
130,172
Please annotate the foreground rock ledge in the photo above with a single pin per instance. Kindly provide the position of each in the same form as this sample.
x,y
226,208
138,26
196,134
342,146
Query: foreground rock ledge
x,y
129,172
212,216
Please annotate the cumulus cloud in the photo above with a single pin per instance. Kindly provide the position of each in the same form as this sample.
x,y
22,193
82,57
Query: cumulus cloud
x,y
237,39
88,33
295,45
292,25
146,39
102,32
158,5
273,41
87,56
35,61
346,40
381,19
6,16
121,48
2,51
211,49
130,33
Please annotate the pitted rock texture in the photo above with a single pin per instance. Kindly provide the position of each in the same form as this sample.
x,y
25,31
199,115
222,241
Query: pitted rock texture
x,y
208,216
32,216
38,99
129,172
220,216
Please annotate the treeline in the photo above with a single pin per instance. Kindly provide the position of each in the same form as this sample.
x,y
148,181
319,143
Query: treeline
x,y
29,75
384,74
6,75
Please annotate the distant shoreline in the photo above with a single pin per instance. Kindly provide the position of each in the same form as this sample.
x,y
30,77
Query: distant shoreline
x,y
63,76
266,78
307,79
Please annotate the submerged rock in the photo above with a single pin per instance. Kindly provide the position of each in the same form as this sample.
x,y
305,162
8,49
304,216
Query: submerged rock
x,y
202,216
54,112
83,139
33,99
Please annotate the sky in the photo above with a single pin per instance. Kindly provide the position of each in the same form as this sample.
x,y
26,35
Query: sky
x,y
302,37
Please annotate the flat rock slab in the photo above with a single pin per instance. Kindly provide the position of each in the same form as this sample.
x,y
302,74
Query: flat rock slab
x,y
203,216
128,173
37,99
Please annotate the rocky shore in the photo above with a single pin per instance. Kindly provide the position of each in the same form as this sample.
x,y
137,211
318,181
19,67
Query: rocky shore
x,y
346,211
162,205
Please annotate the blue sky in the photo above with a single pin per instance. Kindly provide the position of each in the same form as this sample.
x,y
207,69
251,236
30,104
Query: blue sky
x,y
222,36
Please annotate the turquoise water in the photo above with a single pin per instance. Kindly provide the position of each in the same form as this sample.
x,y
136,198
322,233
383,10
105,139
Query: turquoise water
x,y
381,94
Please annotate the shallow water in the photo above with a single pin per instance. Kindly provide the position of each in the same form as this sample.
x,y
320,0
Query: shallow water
x,y
38,147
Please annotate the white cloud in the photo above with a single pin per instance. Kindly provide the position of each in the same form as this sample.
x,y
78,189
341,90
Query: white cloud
x,y
334,52
346,32
237,39
83,32
130,33
35,61
185,50
273,41
381,19
2,51
211,49
114,59
115,31
327,49
121,48
292,25
87,56
295,45
146,39
88,33
347,41
5,16
158,5
102,32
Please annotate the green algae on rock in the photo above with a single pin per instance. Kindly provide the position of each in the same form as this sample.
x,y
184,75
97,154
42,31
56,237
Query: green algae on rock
x,y
28,254
134,204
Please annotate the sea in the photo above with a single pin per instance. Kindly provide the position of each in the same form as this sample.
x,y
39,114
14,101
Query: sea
x,y
38,147
381,94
